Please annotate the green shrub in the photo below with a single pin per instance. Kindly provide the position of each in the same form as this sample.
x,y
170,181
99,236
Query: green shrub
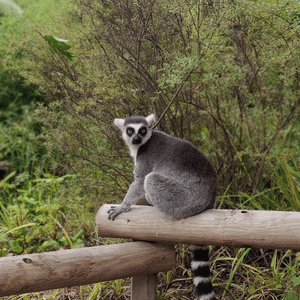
x,y
15,93
43,214
228,70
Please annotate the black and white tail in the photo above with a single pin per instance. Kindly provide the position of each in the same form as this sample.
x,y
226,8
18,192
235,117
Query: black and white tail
x,y
200,267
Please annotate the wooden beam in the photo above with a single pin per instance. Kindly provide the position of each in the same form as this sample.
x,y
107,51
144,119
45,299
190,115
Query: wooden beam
x,y
236,228
66,268
143,287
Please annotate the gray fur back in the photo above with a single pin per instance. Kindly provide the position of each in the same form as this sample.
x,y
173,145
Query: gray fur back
x,y
181,181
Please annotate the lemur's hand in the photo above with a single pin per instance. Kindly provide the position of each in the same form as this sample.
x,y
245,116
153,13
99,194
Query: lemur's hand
x,y
115,211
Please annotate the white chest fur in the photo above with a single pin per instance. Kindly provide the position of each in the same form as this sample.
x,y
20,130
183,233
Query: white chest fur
x,y
133,149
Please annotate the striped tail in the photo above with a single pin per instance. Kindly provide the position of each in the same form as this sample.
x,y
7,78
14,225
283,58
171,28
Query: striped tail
x,y
200,266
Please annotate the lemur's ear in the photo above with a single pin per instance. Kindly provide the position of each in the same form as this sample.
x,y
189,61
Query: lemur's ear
x,y
150,120
119,123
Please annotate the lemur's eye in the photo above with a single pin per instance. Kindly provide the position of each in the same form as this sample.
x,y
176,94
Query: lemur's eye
x,y
143,131
130,131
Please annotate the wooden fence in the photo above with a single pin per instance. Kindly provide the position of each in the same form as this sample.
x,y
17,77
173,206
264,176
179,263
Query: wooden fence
x,y
142,260
234,228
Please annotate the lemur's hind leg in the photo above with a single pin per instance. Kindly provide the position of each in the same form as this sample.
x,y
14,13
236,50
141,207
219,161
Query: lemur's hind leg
x,y
172,197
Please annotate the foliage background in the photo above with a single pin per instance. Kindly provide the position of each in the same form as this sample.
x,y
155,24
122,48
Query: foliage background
x,y
230,71
221,74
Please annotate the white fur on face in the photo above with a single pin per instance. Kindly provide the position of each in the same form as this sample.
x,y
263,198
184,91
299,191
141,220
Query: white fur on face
x,y
150,120
133,148
119,123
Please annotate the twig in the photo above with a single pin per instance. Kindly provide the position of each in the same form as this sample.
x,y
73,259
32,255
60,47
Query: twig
x,y
174,96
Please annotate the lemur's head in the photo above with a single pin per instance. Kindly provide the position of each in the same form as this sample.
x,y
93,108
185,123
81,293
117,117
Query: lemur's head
x,y
136,131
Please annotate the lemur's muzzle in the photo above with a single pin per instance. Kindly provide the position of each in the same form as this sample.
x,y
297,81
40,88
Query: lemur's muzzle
x,y
136,140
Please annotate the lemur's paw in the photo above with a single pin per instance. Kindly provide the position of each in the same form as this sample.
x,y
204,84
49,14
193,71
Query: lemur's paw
x,y
115,211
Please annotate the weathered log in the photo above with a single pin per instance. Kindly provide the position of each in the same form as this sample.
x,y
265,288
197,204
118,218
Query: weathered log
x,y
52,270
236,228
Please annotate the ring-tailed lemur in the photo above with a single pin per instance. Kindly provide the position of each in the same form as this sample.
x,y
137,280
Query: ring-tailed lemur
x,y
174,176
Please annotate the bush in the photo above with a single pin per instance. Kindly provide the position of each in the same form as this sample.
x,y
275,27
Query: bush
x,y
15,94
229,70
20,135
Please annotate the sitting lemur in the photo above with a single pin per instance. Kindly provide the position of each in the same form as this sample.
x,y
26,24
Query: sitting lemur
x,y
173,175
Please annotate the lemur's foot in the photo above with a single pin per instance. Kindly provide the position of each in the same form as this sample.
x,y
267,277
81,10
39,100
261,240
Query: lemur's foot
x,y
115,211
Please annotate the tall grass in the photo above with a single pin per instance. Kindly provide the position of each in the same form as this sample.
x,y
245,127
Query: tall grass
x,y
37,209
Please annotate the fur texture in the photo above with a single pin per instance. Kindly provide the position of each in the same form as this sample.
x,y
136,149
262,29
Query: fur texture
x,y
200,267
173,175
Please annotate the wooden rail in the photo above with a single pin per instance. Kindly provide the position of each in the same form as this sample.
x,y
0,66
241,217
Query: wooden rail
x,y
235,228
66,268
142,260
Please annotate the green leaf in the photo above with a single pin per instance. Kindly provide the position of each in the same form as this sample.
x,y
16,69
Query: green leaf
x,y
80,245
78,235
49,245
3,252
15,246
290,295
59,46
295,280
17,228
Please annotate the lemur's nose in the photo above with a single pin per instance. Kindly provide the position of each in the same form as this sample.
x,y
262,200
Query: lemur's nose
x,y
136,140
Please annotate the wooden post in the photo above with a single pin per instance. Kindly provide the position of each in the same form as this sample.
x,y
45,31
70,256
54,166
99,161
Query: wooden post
x,y
57,269
143,287
235,228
